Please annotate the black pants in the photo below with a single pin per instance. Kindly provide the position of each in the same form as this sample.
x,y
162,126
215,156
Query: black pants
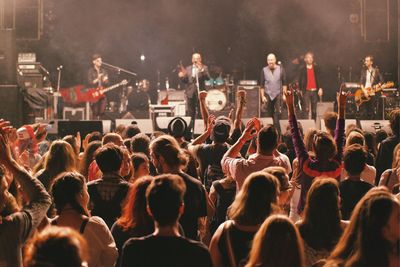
x,y
99,108
310,101
192,108
372,109
274,109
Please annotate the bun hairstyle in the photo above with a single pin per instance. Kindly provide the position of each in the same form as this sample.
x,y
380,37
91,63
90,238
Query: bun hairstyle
x,y
167,147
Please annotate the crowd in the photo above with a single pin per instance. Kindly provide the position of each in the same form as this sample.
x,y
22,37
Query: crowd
x,y
237,195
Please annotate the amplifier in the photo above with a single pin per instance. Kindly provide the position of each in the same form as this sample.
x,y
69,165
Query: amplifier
x,y
248,82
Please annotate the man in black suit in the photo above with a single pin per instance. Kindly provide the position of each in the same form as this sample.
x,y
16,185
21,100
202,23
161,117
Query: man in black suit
x,y
194,77
309,82
370,78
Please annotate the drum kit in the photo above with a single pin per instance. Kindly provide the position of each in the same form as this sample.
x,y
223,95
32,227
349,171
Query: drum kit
x,y
220,93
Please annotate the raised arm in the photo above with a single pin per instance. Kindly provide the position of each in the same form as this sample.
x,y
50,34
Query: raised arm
x,y
241,97
298,143
38,197
203,108
340,124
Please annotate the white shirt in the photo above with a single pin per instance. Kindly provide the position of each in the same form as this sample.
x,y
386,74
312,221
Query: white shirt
x,y
368,80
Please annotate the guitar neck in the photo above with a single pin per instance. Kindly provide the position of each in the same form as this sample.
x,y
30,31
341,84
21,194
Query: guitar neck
x,y
105,90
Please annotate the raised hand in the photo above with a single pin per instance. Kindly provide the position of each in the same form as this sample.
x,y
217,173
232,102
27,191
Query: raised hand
x,y
211,123
342,96
202,95
249,132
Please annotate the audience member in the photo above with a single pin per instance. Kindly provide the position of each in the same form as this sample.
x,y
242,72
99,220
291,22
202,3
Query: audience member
x,y
267,141
108,192
285,188
321,226
135,220
372,237
353,188
88,158
61,158
140,143
277,243
369,172
385,153
165,247
56,246
168,157
71,200
209,156
391,177
141,165
328,151
17,224
256,200
330,119
130,131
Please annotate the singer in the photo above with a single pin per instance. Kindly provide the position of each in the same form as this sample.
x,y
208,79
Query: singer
x,y
193,77
98,77
273,78
370,78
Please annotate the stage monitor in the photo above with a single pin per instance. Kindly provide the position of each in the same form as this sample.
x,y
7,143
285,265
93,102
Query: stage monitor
x,y
145,125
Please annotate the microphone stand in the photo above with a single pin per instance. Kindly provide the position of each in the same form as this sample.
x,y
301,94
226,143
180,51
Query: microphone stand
x,y
57,93
119,69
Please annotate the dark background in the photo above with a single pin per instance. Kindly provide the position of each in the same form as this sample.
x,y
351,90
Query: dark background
x,y
234,34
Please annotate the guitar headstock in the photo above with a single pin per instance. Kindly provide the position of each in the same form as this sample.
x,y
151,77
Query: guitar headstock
x,y
388,84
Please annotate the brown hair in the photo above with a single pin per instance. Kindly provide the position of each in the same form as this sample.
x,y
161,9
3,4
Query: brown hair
x,y
363,243
324,146
277,235
396,157
321,225
134,213
56,246
309,138
167,147
61,158
256,200
88,157
330,119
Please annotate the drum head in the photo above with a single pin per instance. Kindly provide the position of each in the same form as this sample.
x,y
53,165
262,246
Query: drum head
x,y
215,100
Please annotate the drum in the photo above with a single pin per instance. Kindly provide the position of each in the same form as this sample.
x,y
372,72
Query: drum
x,y
215,100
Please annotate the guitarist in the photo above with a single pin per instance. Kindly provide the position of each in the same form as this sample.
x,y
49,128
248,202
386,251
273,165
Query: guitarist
x,y
98,77
370,78
193,77
310,85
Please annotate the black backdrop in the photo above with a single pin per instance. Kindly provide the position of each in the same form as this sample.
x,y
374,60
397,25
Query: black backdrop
x,y
235,34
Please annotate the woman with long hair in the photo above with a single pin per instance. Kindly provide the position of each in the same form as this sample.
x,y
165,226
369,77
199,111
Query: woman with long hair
x,y
328,150
391,177
61,158
134,221
373,235
256,201
321,226
277,243
88,157
71,199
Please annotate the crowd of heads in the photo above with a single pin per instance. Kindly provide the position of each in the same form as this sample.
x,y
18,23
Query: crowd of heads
x,y
142,182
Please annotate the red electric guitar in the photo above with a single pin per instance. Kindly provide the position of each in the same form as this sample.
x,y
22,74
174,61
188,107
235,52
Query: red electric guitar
x,y
78,94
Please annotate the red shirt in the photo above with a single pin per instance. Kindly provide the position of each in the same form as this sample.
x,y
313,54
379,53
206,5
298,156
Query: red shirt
x,y
311,83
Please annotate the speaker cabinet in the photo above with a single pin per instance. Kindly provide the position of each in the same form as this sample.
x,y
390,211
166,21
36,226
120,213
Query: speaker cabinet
x,y
252,107
376,20
12,103
84,127
8,57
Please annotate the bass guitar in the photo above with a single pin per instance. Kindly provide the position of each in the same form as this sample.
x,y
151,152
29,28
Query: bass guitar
x,y
361,97
79,94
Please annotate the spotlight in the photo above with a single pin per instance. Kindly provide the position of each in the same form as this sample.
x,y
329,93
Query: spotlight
x,y
142,58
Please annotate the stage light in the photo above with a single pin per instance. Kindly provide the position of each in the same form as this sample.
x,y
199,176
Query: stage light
x,y
142,58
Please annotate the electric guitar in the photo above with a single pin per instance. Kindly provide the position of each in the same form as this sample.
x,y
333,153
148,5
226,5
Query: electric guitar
x,y
360,97
78,94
